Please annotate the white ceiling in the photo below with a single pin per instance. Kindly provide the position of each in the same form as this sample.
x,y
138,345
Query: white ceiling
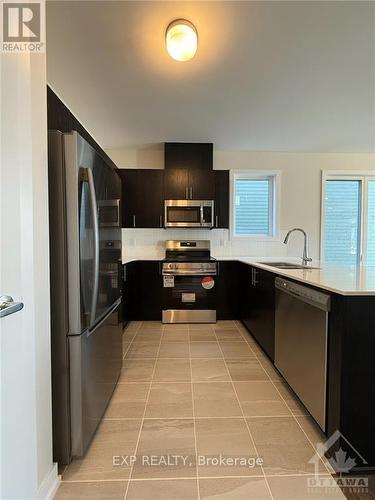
x,y
268,76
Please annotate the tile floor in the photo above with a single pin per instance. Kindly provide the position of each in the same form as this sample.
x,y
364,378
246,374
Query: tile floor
x,y
187,395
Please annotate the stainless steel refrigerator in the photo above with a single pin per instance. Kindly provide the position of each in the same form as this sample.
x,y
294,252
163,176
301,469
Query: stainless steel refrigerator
x,y
85,269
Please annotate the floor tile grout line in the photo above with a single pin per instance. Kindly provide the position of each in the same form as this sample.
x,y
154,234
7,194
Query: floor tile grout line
x,y
140,429
188,357
248,429
185,478
143,417
294,416
194,425
203,381
250,417
132,340
189,478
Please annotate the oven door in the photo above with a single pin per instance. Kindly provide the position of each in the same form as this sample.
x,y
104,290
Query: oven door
x,y
189,299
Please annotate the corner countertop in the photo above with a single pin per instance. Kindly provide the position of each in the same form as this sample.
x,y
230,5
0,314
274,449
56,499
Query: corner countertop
x,y
340,279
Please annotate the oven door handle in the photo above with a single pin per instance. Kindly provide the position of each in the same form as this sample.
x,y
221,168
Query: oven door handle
x,y
189,273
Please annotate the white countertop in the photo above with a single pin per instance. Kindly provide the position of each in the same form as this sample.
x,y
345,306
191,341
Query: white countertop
x,y
344,280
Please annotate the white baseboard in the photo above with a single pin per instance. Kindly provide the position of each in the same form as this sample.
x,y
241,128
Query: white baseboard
x,y
50,484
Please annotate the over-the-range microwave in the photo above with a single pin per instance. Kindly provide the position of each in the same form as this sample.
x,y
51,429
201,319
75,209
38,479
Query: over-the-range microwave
x,y
189,213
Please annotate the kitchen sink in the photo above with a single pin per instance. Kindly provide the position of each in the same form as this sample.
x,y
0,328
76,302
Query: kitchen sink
x,y
287,265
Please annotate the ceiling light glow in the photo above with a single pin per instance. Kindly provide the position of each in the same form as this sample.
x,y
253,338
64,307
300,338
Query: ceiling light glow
x,y
181,40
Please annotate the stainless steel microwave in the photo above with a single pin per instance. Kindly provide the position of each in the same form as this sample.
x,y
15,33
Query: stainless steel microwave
x,y
189,213
109,213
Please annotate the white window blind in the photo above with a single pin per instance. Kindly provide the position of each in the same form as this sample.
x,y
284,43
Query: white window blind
x,y
254,206
371,224
342,212
349,219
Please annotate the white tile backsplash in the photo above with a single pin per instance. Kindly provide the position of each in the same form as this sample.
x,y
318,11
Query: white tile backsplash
x,y
150,243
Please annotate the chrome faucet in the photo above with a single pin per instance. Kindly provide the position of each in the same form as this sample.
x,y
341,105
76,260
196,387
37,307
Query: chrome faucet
x,y
305,257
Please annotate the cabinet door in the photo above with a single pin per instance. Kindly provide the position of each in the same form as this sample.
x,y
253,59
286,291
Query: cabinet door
x,y
201,184
129,196
261,321
176,184
142,198
149,291
247,296
129,292
228,290
150,196
221,199
188,155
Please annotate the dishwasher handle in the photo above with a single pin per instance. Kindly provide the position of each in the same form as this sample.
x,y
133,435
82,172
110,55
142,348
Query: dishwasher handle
x,y
304,293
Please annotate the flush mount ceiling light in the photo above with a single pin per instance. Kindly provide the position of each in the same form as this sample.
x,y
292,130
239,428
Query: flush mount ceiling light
x,y
182,40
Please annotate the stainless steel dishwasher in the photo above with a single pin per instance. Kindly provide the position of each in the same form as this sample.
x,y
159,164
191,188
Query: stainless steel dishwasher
x,y
301,343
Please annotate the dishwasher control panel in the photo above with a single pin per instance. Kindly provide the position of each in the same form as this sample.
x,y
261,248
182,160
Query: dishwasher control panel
x,y
314,297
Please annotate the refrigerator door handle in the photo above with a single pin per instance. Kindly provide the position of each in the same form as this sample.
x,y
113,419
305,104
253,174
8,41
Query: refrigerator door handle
x,y
104,318
95,219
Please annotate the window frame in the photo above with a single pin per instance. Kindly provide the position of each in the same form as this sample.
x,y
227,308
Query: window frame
x,y
363,176
275,177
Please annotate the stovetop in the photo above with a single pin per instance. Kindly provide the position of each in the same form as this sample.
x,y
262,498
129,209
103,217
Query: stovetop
x,y
187,258
196,251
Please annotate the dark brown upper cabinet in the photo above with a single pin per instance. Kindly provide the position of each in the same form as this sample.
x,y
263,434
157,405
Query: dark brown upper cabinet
x,y
176,184
188,155
142,198
201,184
189,184
144,190
188,171
221,207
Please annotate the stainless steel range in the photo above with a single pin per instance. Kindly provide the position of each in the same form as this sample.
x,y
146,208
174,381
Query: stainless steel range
x,y
189,288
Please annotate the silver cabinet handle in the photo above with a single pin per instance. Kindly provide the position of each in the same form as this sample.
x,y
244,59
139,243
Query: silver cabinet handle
x,y
133,220
95,222
217,221
255,282
161,221
191,193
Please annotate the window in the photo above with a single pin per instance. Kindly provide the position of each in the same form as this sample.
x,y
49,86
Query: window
x,y
370,237
348,219
254,205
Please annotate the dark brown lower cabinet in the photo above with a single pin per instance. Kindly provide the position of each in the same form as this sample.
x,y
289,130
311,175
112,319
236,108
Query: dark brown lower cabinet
x,y
350,378
258,306
142,291
227,290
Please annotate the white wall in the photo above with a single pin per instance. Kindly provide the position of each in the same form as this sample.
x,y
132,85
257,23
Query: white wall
x,y
299,204
27,470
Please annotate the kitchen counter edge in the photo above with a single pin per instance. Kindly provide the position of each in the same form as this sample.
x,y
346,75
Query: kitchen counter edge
x,y
324,277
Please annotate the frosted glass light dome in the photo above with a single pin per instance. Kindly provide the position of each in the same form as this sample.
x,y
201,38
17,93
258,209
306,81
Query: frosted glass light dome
x,y
181,40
